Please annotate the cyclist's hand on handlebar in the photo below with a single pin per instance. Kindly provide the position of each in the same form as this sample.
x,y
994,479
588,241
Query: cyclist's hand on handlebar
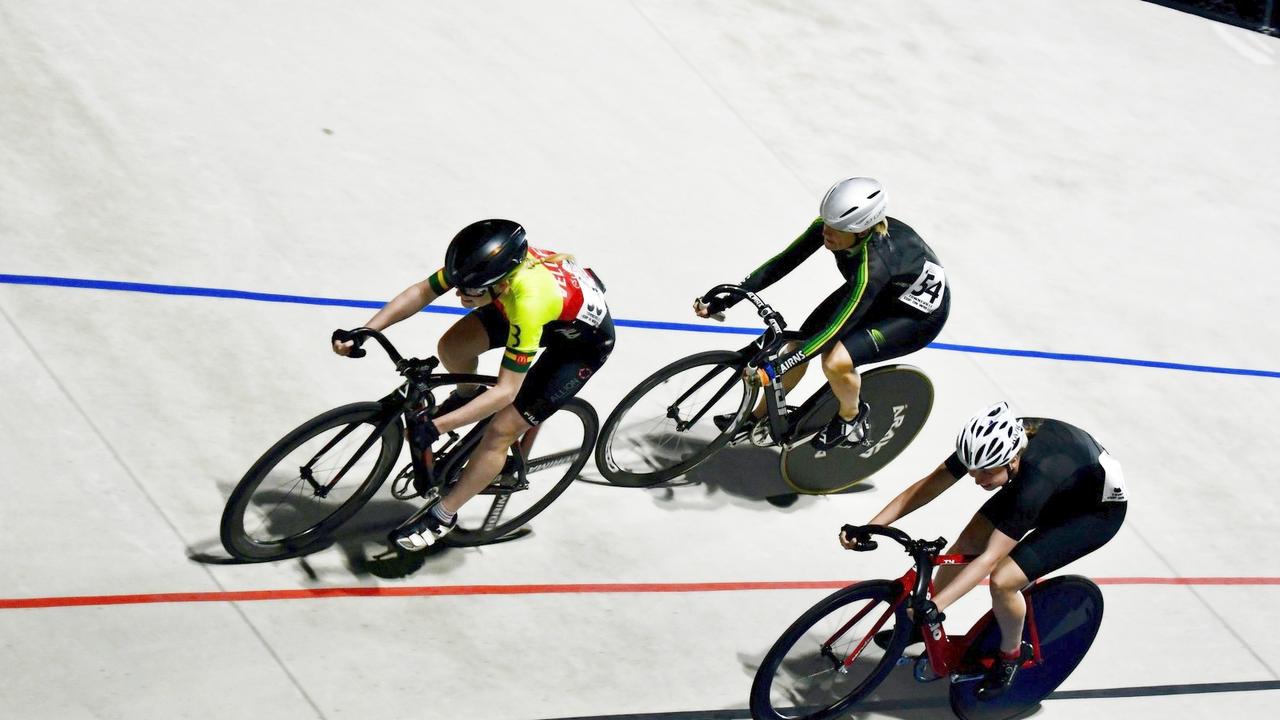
x,y
708,309
346,347
851,539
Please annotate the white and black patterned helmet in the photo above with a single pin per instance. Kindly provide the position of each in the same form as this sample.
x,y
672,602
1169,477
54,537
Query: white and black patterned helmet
x,y
991,439
854,204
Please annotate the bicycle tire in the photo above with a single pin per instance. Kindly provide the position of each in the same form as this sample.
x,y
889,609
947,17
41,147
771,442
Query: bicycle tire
x,y
494,529
241,543
1068,612
662,469
882,597
901,398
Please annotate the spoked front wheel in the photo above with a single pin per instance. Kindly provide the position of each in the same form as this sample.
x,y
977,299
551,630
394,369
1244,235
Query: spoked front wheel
x,y
310,482
1066,612
828,660
538,469
665,426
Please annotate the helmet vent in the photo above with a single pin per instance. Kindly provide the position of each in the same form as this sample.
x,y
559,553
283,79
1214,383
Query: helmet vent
x,y
873,194
846,212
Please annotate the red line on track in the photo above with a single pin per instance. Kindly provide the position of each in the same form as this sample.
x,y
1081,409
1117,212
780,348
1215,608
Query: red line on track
x,y
453,590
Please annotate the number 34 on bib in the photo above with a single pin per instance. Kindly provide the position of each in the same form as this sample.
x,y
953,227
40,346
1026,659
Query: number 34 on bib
x,y
926,292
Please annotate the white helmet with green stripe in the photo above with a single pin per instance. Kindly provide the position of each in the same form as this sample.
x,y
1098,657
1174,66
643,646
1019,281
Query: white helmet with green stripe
x,y
854,204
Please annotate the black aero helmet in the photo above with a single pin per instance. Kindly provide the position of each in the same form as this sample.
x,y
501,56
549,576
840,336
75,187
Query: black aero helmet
x,y
484,252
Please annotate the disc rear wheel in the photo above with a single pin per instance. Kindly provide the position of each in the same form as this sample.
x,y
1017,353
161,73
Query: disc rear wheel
x,y
901,398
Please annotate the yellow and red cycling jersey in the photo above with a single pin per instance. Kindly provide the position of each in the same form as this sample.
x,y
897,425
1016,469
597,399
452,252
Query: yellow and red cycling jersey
x,y
541,293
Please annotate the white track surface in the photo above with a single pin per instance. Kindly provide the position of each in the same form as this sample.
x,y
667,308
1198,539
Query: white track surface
x,y
1098,177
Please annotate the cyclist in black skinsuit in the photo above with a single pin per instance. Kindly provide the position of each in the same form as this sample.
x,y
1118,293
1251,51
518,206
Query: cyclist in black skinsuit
x,y
894,301
1061,496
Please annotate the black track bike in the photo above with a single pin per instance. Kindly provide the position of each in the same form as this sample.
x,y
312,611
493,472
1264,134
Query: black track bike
x,y
296,496
664,427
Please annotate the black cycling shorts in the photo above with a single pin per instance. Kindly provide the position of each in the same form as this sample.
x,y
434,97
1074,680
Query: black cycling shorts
x,y
885,332
560,370
1048,548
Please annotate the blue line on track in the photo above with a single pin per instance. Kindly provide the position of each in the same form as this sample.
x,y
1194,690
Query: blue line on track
x,y
620,322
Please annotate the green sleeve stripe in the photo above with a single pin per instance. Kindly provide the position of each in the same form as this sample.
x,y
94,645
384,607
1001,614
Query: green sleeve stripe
x,y
788,249
437,282
860,286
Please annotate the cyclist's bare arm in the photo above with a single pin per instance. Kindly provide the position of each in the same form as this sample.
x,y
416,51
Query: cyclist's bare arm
x,y
915,496
406,304
485,404
998,548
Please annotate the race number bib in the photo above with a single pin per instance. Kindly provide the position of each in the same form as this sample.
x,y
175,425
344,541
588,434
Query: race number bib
x,y
1113,484
925,294
593,307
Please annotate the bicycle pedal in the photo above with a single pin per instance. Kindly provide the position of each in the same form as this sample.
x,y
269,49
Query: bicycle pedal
x,y
505,485
923,670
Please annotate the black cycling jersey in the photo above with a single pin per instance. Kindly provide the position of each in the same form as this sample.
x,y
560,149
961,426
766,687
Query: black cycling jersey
x,y
896,273
1063,474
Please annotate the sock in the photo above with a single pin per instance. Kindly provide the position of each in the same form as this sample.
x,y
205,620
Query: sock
x,y
1011,655
438,511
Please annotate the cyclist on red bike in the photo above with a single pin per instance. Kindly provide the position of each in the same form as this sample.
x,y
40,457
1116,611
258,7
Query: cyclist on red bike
x,y
1060,496
894,300
524,298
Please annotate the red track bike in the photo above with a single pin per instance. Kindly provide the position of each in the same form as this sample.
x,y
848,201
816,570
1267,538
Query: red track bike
x,y
827,663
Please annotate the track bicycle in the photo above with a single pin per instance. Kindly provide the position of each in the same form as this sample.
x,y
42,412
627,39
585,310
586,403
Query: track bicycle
x,y
665,427
827,661
296,496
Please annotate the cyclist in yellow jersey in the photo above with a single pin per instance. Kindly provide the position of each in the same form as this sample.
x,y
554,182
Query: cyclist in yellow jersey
x,y
524,299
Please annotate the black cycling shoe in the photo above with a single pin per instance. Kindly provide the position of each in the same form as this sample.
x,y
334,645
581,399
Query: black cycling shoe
x,y
724,422
1002,673
844,433
884,637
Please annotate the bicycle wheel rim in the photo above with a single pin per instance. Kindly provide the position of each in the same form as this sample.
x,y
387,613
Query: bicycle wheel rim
x,y
275,512
545,462
642,445
800,677
1068,612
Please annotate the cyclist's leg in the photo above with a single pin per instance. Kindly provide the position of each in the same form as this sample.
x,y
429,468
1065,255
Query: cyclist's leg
x,y
462,344
1041,552
846,383
558,375
487,459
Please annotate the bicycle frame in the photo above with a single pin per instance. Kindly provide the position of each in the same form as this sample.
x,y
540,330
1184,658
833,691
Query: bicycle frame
x,y
946,653
758,358
415,391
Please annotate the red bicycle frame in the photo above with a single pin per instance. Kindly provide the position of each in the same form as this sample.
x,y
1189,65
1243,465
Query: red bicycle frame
x,y
946,652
